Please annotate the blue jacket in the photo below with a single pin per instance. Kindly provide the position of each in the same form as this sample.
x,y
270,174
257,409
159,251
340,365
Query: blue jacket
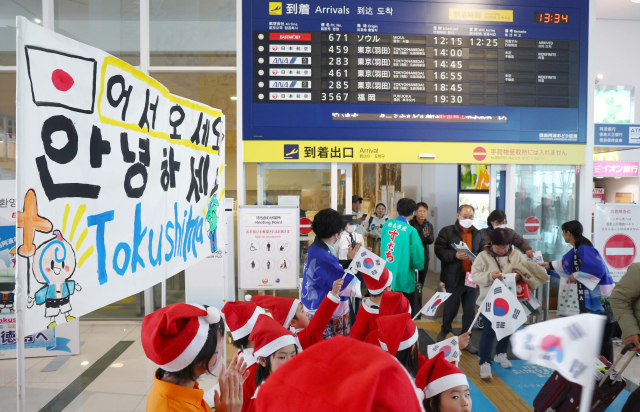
x,y
321,269
49,291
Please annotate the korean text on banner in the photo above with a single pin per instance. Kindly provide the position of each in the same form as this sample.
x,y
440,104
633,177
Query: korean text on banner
x,y
119,181
568,345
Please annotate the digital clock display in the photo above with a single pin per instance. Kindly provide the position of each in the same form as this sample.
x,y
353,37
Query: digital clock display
x,y
551,18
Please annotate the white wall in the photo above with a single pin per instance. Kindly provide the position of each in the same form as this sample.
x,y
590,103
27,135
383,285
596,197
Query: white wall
x,y
617,56
622,185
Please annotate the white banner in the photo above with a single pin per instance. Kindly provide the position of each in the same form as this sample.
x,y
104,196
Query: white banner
x,y
616,236
268,247
119,181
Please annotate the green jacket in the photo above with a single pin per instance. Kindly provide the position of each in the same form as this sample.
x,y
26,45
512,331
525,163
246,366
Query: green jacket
x,y
402,248
625,302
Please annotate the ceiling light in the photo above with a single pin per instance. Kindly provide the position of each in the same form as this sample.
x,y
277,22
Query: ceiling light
x,y
235,98
117,365
85,363
37,21
599,177
617,177
635,1
600,76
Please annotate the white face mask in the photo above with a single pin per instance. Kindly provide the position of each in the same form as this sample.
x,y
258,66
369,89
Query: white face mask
x,y
500,227
351,228
466,223
218,359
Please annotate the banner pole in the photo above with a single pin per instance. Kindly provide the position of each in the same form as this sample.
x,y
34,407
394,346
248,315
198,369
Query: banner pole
x,y
21,306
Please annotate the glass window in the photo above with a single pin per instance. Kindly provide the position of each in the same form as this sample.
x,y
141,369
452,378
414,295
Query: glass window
x,y
546,195
31,9
110,25
192,32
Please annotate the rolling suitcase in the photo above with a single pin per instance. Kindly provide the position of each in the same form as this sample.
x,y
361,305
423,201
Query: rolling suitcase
x,y
560,395
416,305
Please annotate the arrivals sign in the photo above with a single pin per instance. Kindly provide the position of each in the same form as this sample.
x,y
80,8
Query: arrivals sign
x,y
119,181
617,235
418,71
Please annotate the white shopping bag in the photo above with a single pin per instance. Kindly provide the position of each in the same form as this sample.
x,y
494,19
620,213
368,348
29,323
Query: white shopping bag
x,y
568,298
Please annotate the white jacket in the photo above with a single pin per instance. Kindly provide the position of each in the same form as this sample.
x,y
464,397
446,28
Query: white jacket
x,y
342,246
374,224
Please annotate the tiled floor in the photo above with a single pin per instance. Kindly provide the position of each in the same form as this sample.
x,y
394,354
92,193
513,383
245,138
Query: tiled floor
x,y
123,386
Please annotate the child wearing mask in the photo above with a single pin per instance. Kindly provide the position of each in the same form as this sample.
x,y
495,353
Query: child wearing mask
x,y
349,238
273,346
366,318
241,318
185,341
445,387
290,314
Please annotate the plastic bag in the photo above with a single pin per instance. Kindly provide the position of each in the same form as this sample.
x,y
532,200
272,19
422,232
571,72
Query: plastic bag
x,y
568,298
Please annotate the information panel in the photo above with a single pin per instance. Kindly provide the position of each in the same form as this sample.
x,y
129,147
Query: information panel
x,y
492,71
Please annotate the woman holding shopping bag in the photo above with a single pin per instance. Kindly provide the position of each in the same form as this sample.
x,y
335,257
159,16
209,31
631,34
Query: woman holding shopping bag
x,y
491,264
584,266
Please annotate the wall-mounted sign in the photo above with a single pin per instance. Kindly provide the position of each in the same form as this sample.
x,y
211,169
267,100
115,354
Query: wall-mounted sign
x,y
609,135
423,71
615,169
616,236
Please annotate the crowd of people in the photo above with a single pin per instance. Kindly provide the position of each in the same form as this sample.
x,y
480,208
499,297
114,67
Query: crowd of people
x,y
325,352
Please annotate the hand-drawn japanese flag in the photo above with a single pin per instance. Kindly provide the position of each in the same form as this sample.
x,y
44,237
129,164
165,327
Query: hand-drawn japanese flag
x,y
61,80
430,308
569,345
504,311
450,347
367,262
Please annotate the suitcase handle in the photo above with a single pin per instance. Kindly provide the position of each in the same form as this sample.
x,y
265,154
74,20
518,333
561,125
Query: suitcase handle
x,y
622,353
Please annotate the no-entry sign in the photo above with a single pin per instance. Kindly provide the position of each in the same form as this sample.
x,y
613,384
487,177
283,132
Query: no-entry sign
x,y
616,235
305,226
619,251
532,224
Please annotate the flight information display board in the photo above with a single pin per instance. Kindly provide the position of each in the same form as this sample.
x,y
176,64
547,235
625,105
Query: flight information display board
x,y
491,71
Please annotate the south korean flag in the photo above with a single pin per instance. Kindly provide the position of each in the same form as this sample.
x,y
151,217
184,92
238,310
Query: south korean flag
x,y
367,262
503,310
450,347
569,345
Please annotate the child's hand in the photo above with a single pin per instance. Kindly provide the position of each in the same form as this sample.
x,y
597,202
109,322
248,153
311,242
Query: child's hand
x,y
78,287
463,340
336,287
30,302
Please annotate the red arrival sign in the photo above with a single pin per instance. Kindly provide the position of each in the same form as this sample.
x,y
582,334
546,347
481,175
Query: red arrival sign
x,y
619,251
305,226
290,36
532,224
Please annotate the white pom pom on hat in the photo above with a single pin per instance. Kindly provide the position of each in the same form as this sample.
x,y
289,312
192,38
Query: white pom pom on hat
x,y
247,298
213,315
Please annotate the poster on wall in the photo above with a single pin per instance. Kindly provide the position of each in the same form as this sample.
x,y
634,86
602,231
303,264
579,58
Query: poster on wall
x,y
617,236
268,247
597,197
474,177
624,197
119,181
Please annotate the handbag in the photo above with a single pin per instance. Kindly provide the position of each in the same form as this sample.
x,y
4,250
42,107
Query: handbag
x,y
568,303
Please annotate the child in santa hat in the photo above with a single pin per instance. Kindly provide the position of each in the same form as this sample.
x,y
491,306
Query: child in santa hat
x,y
445,387
185,341
290,314
391,303
315,381
273,345
366,318
241,317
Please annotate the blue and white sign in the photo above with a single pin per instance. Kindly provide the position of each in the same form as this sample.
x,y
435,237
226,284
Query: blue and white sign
x,y
607,134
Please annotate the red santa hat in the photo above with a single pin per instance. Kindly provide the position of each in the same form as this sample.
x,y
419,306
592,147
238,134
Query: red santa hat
x,y
438,375
394,303
282,309
268,336
173,336
376,287
396,332
241,317
315,381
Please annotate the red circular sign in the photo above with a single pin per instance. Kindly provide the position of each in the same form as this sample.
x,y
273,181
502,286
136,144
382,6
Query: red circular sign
x,y
619,251
532,224
305,226
479,153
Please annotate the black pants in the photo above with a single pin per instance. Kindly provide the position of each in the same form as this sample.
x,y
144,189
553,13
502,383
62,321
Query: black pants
x,y
459,294
606,349
422,274
633,403
412,300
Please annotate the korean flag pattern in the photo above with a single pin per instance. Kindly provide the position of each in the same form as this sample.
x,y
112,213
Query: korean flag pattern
x,y
432,305
450,347
504,311
367,262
